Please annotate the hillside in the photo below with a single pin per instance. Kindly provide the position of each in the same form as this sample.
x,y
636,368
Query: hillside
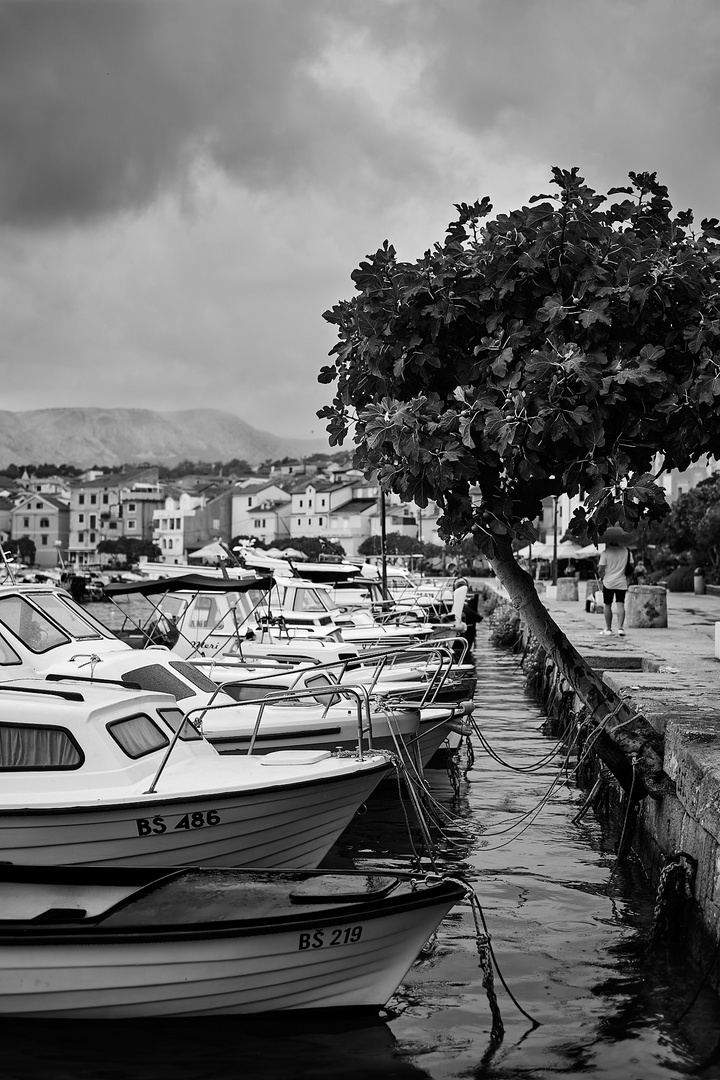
x,y
86,437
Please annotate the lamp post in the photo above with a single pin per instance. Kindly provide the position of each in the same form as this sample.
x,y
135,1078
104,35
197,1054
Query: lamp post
x,y
383,546
555,542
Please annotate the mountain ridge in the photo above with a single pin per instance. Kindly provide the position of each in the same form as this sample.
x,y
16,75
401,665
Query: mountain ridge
x,y
86,436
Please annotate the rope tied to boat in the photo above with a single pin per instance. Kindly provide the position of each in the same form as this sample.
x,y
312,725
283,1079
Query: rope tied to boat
x,y
497,1031
469,754
488,962
676,883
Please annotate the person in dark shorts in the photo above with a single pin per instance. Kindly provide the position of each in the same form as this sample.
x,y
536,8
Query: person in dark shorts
x,y
613,573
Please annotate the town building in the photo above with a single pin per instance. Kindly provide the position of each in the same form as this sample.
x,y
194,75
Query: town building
x,y
261,509
169,523
45,520
112,506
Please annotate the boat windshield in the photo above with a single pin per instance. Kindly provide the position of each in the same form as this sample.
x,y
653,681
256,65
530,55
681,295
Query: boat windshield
x,y
29,625
70,618
309,600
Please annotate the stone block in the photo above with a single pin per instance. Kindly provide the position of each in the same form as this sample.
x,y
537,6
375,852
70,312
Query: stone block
x,y
567,588
645,606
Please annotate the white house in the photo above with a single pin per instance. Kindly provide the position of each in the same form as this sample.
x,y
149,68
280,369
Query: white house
x,y
261,509
169,524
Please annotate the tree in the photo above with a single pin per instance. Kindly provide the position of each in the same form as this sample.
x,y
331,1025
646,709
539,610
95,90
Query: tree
x,y
692,527
26,550
131,548
557,348
395,544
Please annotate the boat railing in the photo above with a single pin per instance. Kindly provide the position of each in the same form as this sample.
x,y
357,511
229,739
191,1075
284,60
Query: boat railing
x,y
357,693
378,662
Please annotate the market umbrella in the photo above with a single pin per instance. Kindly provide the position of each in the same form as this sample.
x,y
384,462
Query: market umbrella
x,y
590,551
536,551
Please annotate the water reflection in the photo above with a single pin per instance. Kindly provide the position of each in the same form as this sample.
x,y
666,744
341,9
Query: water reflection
x,y
286,1046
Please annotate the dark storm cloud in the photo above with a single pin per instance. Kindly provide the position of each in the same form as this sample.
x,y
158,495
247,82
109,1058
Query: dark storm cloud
x,y
104,104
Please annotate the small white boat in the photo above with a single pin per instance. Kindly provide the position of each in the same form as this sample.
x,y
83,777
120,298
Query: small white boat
x,y
113,942
108,775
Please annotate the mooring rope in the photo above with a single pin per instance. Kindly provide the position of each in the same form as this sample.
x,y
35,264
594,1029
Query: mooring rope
x,y
677,876
488,960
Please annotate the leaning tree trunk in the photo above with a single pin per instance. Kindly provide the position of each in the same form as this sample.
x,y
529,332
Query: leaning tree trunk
x,y
627,742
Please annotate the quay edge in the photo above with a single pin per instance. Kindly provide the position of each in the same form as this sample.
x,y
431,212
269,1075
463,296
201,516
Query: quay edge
x,y
671,676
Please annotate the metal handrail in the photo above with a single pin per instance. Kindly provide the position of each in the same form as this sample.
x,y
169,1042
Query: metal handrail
x,y
357,692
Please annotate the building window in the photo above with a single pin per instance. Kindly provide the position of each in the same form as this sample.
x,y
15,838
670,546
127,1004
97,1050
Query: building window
x,y
43,539
92,538
81,519
112,525
256,523
131,508
249,501
299,522
131,524
38,506
26,523
321,522
301,504
93,500
106,499
81,500
44,523
81,538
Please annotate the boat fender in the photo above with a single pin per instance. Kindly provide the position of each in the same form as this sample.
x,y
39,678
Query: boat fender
x,y
459,728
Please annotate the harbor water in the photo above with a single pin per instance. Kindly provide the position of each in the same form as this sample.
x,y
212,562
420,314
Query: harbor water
x,y
580,987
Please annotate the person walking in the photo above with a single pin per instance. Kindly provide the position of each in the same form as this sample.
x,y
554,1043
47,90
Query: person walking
x,y
614,568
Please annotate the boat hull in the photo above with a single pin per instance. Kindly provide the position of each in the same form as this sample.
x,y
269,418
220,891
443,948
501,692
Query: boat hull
x,y
275,955
294,826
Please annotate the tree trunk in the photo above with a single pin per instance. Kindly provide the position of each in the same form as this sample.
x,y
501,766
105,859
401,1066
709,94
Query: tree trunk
x,y
622,729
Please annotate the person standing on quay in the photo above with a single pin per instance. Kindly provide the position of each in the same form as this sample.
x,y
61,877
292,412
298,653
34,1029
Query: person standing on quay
x,y
613,569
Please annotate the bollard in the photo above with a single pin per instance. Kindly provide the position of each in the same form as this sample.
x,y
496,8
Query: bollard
x,y
567,588
646,606
699,581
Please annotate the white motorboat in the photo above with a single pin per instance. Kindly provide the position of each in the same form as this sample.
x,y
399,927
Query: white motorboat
x,y
106,775
398,714
204,613
44,633
113,942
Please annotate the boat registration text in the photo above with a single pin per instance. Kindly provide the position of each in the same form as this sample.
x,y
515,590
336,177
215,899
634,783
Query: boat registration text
x,y
199,819
319,939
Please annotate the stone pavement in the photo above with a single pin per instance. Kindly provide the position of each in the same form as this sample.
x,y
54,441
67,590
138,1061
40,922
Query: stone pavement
x,y
667,671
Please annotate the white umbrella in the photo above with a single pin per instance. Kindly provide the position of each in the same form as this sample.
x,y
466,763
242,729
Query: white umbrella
x,y
587,552
536,551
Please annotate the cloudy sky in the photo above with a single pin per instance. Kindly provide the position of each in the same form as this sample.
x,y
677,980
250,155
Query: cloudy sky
x,y
186,185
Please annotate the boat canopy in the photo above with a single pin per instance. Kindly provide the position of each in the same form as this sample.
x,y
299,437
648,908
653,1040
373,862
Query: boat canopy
x,y
189,583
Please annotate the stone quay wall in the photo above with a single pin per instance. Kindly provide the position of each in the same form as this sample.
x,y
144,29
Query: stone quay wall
x,y
668,670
